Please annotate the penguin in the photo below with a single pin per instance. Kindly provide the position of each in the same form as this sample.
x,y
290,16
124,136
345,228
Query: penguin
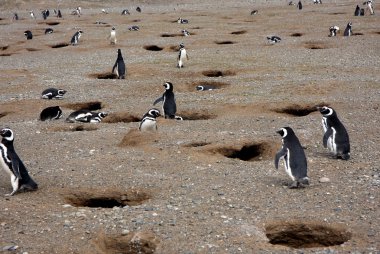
x,y
294,158
205,88
273,39
125,12
77,11
333,31
119,66
15,16
53,93
169,105
148,121
134,28
86,116
335,136
12,164
254,12
317,1
369,7
49,31
138,9
45,14
357,11
348,30
32,16
104,11
28,35
59,14
113,36
75,38
182,55
291,3
182,21
299,5
185,33
51,113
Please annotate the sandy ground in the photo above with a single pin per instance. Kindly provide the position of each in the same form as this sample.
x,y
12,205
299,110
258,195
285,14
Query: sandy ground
x,y
106,188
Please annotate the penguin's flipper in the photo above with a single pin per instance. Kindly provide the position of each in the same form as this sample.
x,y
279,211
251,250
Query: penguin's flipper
x,y
279,155
16,168
326,137
114,67
158,100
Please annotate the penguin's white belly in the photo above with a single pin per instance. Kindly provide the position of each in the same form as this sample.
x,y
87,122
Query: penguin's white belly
x,y
2,162
148,125
113,37
331,145
288,170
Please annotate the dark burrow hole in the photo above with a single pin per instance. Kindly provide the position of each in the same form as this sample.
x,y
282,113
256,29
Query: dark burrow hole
x,y
337,13
32,49
60,45
2,114
106,75
153,48
170,35
357,34
4,47
53,23
306,235
248,152
105,198
121,117
239,32
316,45
197,144
298,110
217,73
296,34
6,54
224,42
91,105
196,116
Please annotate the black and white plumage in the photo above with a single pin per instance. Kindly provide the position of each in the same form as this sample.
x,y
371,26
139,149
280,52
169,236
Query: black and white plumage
x,y
369,7
86,116
15,16
182,21
75,38
134,28
113,39
77,11
12,164
254,12
104,11
148,121
59,14
317,1
205,87
185,33
28,35
53,93
125,12
51,113
333,30
294,158
32,16
169,105
348,30
45,14
335,136
273,39
138,9
119,66
357,11
49,31
182,55
299,5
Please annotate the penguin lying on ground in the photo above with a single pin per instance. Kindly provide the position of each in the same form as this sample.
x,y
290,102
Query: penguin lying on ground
x,y
86,116
28,35
148,121
53,93
333,30
51,113
12,164
273,39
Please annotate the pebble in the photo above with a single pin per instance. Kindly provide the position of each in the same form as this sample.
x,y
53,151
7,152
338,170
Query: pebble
x,y
324,180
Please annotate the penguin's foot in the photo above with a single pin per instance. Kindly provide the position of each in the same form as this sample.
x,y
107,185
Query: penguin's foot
x,y
296,185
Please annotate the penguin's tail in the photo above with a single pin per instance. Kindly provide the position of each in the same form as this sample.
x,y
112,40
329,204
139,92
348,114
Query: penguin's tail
x,y
31,185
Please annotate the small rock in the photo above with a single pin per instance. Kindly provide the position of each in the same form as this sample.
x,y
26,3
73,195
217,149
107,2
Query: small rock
x,y
125,232
324,180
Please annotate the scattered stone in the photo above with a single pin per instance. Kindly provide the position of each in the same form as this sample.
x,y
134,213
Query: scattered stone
x,y
324,180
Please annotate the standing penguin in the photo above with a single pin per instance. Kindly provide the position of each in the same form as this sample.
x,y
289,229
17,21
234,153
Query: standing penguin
x,y
369,7
32,16
299,5
28,35
357,11
294,158
348,30
148,121
13,165
119,66
51,113
75,38
335,136
113,36
333,31
182,55
169,105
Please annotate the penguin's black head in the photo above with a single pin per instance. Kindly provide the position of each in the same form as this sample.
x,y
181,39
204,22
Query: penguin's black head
x,y
7,134
325,111
113,28
102,114
154,112
181,45
168,86
61,91
200,88
285,131
80,32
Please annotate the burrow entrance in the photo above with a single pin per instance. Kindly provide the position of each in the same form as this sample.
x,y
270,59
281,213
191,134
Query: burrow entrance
x,y
239,32
91,105
53,23
217,73
298,110
296,34
105,75
73,128
171,35
121,117
197,144
188,115
306,235
60,45
224,42
2,114
153,48
105,198
141,242
207,85
316,45
247,152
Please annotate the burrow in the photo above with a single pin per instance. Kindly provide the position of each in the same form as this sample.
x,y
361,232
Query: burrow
x,y
121,117
224,42
239,32
104,75
254,151
357,34
60,45
171,35
6,54
91,105
2,114
298,110
191,115
197,144
52,23
153,48
208,84
4,47
140,242
32,49
316,45
296,34
306,234
73,128
105,198
218,73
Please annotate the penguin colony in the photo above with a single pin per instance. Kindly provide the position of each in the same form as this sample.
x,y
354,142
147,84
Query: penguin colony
x,y
335,137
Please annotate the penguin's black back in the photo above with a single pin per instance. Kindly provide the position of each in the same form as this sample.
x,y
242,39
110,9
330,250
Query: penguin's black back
x,y
51,113
170,107
341,138
297,160
120,65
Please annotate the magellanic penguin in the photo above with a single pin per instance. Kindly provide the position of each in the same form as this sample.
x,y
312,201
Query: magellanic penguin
x,y
138,9
86,116
254,12
357,11
125,12
51,113
333,30
348,30
205,87
134,28
185,32
53,93
182,21
369,7
294,158
12,164
169,105
28,35
273,39
335,136
182,55
75,38
299,5
148,121
119,66
49,31
113,36
32,14
45,14
15,16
